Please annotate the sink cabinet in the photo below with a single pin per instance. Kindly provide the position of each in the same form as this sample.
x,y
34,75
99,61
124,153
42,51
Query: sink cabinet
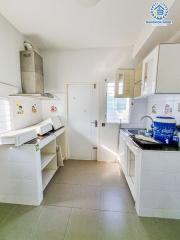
x,y
152,177
129,156
123,154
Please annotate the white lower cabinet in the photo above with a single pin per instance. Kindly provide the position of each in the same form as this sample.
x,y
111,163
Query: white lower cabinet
x,y
131,173
123,154
153,177
129,156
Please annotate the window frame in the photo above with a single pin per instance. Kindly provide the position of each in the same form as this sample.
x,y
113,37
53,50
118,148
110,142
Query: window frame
x,y
120,120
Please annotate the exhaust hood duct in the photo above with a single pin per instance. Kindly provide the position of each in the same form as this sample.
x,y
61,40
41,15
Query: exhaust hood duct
x,y
31,72
32,75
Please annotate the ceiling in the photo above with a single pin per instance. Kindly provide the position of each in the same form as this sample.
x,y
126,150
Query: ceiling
x,y
68,24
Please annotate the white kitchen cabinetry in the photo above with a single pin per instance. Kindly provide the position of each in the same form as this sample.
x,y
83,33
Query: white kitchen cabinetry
x,y
49,164
138,81
25,171
124,83
161,70
152,177
123,153
129,156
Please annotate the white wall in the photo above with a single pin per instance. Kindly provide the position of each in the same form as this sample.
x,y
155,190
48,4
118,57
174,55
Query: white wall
x,y
54,107
138,109
29,114
11,42
89,65
164,105
84,65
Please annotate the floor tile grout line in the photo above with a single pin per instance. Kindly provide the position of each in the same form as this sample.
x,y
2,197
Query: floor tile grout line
x,y
93,209
35,227
78,184
68,222
93,185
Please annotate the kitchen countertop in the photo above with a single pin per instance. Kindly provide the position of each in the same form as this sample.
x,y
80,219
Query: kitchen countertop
x,y
163,147
39,138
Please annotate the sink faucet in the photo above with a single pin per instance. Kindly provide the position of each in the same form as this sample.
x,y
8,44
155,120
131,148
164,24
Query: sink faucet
x,y
148,132
147,116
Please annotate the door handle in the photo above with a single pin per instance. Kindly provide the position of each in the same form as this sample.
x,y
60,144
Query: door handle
x,y
95,123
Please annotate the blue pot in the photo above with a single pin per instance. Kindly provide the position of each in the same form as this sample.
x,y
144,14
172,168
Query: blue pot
x,y
164,128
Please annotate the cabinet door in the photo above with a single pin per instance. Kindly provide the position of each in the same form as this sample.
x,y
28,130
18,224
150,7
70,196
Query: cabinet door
x,y
138,81
168,78
149,73
138,73
123,154
124,84
137,89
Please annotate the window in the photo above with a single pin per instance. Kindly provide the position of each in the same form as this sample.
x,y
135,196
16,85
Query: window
x,y
120,84
5,124
118,109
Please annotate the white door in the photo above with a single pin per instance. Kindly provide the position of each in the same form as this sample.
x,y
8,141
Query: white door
x,y
82,117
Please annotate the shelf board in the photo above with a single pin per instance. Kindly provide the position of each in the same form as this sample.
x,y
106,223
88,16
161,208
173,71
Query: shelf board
x,y
46,158
47,176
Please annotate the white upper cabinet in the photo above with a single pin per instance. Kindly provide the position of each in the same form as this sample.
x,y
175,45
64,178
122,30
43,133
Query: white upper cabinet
x,y
124,84
138,81
149,73
161,70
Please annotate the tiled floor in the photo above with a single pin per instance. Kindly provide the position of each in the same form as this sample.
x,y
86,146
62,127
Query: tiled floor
x,y
84,201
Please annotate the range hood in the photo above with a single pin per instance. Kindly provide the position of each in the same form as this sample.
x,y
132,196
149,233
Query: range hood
x,y
37,95
32,77
31,72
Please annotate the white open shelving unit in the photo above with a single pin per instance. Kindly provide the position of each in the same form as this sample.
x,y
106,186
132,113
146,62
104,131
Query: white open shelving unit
x,y
52,156
49,163
60,146
29,168
46,158
47,175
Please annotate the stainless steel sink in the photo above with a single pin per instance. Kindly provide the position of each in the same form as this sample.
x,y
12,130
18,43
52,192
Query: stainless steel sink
x,y
136,131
